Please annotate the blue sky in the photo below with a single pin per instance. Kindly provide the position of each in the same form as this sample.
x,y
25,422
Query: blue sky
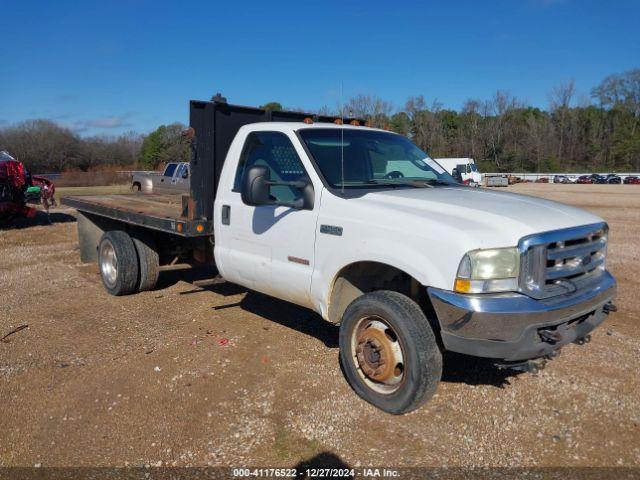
x,y
111,66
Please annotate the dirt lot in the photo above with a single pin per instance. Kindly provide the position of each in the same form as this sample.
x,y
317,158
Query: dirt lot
x,y
218,376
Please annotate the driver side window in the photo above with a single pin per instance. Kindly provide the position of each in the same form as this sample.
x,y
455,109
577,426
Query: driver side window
x,y
275,151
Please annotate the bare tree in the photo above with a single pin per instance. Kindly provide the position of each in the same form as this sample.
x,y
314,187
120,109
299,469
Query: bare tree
x,y
374,109
560,99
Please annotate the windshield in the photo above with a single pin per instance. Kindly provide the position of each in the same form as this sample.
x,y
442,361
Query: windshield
x,y
473,167
369,158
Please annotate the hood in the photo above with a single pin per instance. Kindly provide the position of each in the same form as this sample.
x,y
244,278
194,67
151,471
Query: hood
x,y
484,218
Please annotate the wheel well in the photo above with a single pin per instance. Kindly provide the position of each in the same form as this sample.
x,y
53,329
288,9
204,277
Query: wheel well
x,y
363,277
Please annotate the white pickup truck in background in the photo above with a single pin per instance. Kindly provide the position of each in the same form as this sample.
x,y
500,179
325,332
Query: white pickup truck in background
x,y
361,226
174,179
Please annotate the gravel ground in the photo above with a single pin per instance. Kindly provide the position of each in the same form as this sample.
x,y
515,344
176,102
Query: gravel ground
x,y
219,376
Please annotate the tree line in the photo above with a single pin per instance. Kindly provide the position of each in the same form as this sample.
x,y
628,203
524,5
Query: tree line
x,y
501,133
504,134
44,147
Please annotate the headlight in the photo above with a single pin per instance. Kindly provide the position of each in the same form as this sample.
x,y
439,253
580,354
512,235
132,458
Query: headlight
x,y
493,270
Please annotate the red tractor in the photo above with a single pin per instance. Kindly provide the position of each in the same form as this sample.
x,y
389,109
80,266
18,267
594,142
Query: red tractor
x,y
18,188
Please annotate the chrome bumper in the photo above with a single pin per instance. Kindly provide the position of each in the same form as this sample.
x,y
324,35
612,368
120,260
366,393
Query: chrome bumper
x,y
513,326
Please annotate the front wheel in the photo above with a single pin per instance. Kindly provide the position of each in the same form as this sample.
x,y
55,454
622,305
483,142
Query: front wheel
x,y
389,352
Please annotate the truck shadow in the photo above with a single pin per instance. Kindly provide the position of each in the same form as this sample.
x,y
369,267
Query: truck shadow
x,y
202,278
40,219
457,368
323,460
291,316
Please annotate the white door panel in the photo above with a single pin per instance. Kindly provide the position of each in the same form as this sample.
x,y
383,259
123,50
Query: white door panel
x,y
269,248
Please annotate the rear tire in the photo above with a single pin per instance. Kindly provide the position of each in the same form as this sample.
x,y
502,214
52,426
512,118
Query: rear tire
x,y
118,263
388,351
149,261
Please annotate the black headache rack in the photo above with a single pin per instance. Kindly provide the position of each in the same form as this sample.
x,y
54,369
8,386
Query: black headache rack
x,y
214,125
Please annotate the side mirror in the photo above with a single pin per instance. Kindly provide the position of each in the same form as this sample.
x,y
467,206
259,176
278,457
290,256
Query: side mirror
x,y
256,183
255,186
185,174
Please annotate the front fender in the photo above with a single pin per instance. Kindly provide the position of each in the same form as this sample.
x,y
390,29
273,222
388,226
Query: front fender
x,y
413,262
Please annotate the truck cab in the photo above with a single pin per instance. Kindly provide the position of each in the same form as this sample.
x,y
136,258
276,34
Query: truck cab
x,y
173,179
465,168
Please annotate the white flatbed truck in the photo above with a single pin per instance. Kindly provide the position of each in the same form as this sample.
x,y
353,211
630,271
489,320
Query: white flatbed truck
x,y
361,226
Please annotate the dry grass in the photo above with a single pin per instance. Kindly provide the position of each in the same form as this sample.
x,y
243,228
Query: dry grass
x,y
99,176
100,190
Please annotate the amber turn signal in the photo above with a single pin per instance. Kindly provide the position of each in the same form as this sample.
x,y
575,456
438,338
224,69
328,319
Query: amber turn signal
x,y
463,285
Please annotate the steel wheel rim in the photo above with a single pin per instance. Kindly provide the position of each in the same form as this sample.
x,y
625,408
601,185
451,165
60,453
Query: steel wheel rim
x,y
378,355
108,264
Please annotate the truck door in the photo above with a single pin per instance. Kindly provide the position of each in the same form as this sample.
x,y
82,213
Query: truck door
x,y
162,183
180,180
268,248
463,169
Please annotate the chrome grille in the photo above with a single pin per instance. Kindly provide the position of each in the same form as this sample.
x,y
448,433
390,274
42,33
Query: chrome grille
x,y
561,261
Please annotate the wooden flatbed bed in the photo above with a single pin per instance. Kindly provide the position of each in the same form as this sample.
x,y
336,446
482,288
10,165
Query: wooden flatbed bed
x,y
162,212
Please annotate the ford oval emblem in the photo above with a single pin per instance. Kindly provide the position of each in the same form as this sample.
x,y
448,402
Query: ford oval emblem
x,y
586,260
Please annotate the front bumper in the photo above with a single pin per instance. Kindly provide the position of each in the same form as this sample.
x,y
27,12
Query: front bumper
x,y
513,326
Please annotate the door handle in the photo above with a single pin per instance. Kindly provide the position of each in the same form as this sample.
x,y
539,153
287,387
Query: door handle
x,y
226,215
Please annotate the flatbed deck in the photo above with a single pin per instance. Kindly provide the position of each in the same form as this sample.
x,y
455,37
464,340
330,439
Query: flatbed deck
x,y
162,212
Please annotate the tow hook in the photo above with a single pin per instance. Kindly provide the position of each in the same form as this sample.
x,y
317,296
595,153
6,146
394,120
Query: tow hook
x,y
550,336
609,307
531,366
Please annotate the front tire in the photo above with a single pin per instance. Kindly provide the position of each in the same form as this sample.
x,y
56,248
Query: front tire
x,y
118,263
389,352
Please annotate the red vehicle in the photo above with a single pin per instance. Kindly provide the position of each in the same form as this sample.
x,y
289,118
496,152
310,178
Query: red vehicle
x,y
632,180
18,188
584,179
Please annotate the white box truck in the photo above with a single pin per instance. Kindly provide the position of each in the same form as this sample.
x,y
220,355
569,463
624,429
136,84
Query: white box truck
x,y
466,167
